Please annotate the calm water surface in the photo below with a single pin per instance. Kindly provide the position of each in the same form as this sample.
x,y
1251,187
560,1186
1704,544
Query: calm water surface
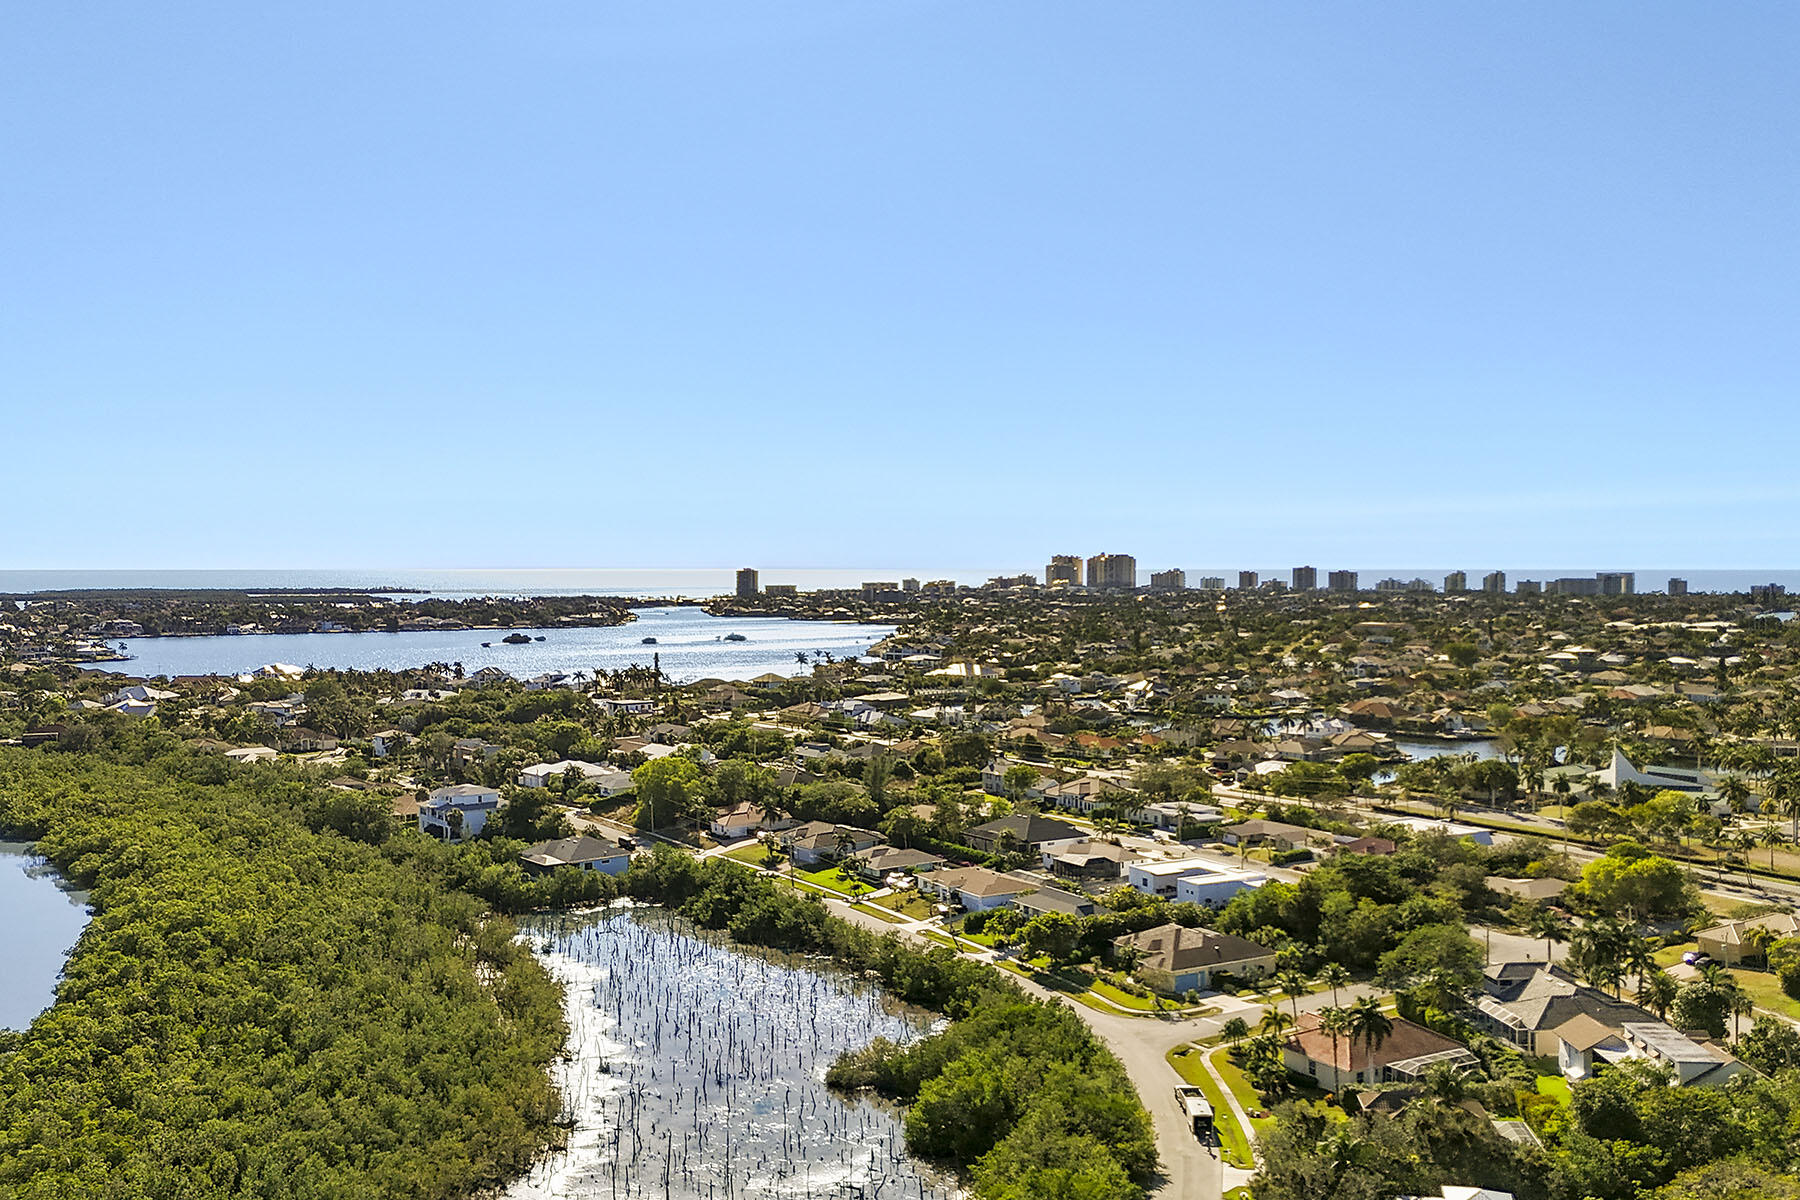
x,y
696,1070
39,922
688,640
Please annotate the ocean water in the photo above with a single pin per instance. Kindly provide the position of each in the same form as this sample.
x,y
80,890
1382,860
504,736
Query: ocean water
x,y
689,645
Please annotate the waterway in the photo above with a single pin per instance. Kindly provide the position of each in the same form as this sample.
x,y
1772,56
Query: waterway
x,y
689,645
40,920
696,1070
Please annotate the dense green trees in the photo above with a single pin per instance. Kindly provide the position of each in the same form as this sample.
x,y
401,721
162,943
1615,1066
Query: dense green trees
x,y
261,1009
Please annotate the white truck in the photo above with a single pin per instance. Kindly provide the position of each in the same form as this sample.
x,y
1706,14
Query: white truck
x,y
1198,1110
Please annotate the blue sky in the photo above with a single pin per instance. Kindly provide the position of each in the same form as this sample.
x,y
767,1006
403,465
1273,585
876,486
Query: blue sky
x,y
832,284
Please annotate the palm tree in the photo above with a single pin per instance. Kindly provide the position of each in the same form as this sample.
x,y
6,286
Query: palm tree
x,y
1274,1021
1368,1024
1293,983
1656,991
1336,1022
1334,976
1235,1030
1771,836
1553,927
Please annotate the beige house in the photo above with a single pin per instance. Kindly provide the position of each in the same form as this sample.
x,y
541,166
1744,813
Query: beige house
x,y
1176,958
1732,942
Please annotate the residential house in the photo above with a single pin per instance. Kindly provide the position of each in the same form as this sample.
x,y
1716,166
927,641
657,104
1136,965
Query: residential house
x,y
1406,1055
297,740
819,841
550,775
1541,890
387,743
1083,858
1214,886
467,751
1731,942
457,811
975,888
586,853
1047,901
881,860
614,706
746,819
1369,844
1027,830
252,754
1269,833
1525,1002
1176,959
1159,878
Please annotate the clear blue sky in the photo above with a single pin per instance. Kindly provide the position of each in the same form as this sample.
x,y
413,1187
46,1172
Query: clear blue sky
x,y
676,284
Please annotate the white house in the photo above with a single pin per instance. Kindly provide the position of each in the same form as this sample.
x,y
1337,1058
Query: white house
x,y
471,802
1160,878
614,706
387,742
550,774
1214,886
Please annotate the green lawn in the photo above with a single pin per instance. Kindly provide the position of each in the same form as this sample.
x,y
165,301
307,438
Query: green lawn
x,y
831,879
753,854
1233,1144
1240,1087
908,903
1554,1086
1668,956
890,917
1125,999
1765,992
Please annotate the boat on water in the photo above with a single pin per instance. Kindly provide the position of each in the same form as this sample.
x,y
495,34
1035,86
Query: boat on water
x,y
517,639
485,645
648,642
736,637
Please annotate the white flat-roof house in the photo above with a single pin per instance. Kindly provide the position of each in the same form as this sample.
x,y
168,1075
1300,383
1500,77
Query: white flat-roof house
x,y
1216,885
1159,878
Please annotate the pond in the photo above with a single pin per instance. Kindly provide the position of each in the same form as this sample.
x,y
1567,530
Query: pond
x,y
40,920
690,644
1418,751
696,1070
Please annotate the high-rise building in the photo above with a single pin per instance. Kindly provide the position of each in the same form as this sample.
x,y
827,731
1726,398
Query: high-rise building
x,y
1247,581
1573,586
1212,583
1172,580
1494,582
1529,587
1064,571
1112,571
1617,583
873,590
1677,587
909,585
788,590
746,583
1767,593
1342,581
1390,585
1456,581
1306,578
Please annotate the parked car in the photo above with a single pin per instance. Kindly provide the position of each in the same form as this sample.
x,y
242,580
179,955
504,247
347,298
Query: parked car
x,y
1696,958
